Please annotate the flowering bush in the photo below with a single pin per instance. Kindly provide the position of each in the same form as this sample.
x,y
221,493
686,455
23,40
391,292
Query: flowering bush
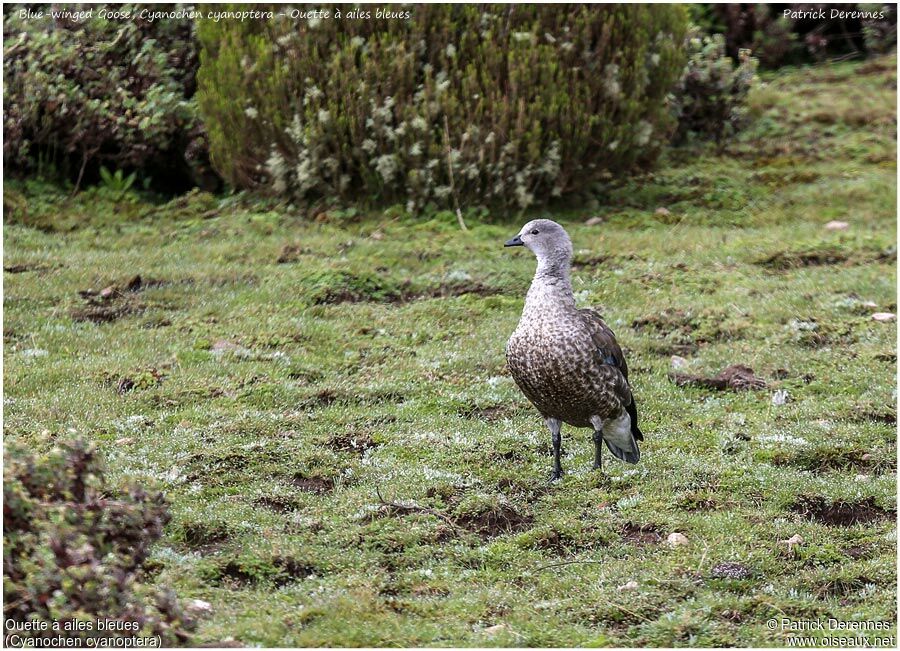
x,y
97,92
500,104
710,98
73,553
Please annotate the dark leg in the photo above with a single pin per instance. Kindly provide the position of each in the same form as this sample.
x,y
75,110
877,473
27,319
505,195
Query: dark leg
x,y
555,430
557,446
598,449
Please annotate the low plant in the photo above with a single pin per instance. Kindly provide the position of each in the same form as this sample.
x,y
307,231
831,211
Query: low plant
x,y
75,550
117,183
710,98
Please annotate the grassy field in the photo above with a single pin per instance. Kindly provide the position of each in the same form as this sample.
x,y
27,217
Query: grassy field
x,y
325,401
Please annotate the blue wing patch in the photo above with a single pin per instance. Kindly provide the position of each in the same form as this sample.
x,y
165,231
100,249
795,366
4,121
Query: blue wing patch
x,y
609,360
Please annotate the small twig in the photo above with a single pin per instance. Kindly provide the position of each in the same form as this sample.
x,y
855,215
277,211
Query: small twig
x,y
630,612
85,157
14,49
459,217
844,57
412,508
13,605
702,559
118,38
84,160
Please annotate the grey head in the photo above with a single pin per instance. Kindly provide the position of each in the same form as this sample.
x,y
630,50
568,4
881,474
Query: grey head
x,y
548,241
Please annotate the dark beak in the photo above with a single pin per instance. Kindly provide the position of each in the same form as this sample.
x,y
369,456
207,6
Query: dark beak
x,y
516,241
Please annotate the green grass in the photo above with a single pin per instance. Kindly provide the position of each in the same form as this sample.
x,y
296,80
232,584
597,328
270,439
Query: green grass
x,y
271,400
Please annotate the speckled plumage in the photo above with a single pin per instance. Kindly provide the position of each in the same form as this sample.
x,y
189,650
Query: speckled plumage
x,y
566,360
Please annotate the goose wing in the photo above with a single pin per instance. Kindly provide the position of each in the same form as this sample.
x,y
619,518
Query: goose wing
x,y
610,353
604,340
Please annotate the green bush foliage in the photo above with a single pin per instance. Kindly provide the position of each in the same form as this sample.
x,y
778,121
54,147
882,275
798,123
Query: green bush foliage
x,y
74,553
880,32
81,95
808,33
710,99
518,103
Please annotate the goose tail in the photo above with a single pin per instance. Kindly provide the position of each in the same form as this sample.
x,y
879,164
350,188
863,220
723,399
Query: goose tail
x,y
632,413
622,435
631,454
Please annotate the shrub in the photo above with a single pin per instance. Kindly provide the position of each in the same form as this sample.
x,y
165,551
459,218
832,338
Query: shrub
x,y
710,99
880,32
519,103
805,34
98,92
73,553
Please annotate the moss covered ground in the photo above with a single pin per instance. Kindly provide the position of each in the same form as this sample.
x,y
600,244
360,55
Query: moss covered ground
x,y
324,398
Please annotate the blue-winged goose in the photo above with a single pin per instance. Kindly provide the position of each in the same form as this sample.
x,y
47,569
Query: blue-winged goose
x,y
566,360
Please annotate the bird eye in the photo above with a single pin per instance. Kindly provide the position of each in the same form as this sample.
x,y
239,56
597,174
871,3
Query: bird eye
x,y
534,232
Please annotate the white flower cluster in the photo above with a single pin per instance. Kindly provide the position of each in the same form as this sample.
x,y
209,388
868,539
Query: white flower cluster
x,y
435,131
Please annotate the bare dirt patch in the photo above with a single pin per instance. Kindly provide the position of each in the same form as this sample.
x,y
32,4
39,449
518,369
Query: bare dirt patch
x,y
315,485
503,519
341,286
641,534
205,535
352,441
735,378
278,503
840,514
886,415
681,332
232,575
786,260
664,322
25,268
451,290
697,501
820,460
486,520
842,587
328,396
824,255
237,574
205,467
813,333
139,379
558,542
292,253
113,302
527,491
590,261
858,552
489,414
291,569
